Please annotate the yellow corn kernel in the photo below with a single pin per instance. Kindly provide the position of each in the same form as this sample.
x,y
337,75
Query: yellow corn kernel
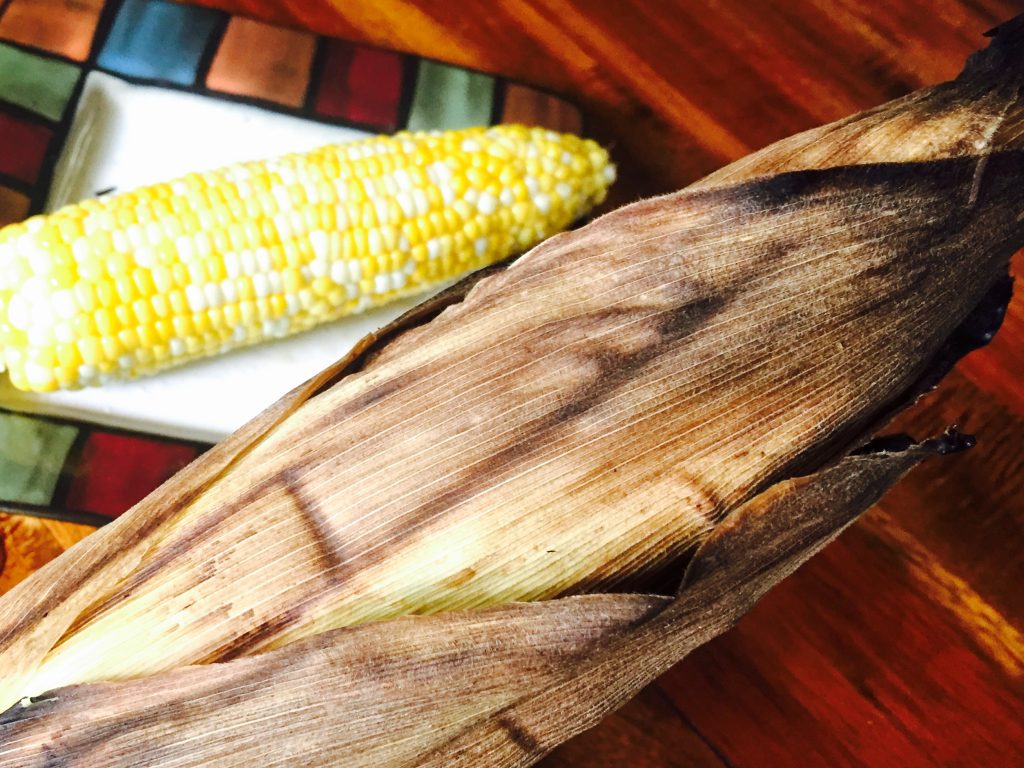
x,y
90,349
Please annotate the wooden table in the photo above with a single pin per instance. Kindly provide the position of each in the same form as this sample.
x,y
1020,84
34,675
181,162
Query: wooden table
x,y
901,644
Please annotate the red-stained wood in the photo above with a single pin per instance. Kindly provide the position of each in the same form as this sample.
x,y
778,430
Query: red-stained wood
x,y
648,731
901,644
852,662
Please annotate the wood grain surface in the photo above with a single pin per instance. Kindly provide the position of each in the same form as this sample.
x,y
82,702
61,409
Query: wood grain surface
x,y
901,644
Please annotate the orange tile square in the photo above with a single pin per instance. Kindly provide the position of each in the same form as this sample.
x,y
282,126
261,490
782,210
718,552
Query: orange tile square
x,y
13,206
64,27
263,62
532,107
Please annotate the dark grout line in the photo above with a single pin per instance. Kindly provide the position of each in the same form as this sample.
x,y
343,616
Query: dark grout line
x,y
316,72
210,50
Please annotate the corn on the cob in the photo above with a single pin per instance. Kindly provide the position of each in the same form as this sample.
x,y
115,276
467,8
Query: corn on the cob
x,y
139,281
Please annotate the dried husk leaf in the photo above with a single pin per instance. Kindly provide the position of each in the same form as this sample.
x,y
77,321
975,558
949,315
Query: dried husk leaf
x,y
582,418
497,687
748,553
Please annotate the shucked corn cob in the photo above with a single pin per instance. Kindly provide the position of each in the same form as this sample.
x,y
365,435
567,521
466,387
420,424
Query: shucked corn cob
x,y
143,280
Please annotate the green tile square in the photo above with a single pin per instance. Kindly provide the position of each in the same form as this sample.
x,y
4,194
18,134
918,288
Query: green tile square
x,y
32,453
38,84
449,97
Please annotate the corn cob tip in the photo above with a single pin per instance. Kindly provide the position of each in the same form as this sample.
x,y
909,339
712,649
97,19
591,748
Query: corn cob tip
x,y
139,281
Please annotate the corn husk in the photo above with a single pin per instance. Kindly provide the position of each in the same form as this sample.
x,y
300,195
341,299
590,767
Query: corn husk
x,y
495,687
684,374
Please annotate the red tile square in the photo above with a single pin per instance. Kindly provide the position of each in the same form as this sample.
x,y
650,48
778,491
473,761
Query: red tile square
x,y
22,147
361,85
115,471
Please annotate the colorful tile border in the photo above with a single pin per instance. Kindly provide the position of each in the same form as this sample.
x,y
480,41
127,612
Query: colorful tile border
x,y
528,105
447,97
263,62
88,473
14,205
32,140
159,41
39,84
360,85
80,472
32,458
115,470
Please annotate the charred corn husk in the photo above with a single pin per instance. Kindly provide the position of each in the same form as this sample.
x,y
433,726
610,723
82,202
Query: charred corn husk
x,y
143,280
494,688
577,420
